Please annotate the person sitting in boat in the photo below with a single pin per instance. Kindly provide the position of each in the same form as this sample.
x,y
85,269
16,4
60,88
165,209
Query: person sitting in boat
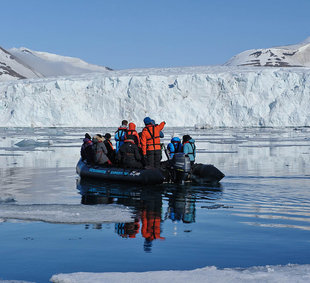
x,y
189,148
174,146
120,134
133,134
87,151
150,142
101,152
128,155
108,144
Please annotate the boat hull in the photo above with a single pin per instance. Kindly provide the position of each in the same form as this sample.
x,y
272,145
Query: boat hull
x,y
139,176
200,173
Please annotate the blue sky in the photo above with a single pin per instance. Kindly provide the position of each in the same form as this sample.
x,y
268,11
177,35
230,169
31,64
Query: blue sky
x,y
125,34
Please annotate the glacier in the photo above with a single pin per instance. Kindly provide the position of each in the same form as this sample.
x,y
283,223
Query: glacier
x,y
206,96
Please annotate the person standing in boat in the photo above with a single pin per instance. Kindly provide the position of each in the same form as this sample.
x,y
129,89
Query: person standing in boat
x,y
189,148
87,151
101,152
161,134
120,135
150,142
111,151
128,155
174,146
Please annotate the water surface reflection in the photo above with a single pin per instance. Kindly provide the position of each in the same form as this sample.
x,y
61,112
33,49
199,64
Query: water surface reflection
x,y
147,203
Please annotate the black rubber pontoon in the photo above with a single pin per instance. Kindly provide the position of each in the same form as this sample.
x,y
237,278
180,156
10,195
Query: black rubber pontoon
x,y
177,170
139,176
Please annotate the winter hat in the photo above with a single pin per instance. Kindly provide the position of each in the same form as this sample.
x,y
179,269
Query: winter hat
x,y
147,120
87,136
175,139
124,123
186,138
107,136
97,138
132,126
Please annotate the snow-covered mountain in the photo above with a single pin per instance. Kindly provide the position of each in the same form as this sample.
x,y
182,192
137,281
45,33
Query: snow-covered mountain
x,y
50,65
11,68
21,63
297,55
203,96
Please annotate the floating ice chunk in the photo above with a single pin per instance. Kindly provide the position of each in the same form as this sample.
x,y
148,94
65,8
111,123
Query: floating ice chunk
x,y
32,143
62,213
277,273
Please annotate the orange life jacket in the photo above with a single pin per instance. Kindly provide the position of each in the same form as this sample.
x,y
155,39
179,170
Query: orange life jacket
x,y
151,225
132,132
150,138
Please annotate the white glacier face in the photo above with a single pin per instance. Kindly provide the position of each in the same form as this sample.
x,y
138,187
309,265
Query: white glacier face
x,y
214,96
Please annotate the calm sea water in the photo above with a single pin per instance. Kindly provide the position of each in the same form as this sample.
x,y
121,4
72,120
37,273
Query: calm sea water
x,y
259,215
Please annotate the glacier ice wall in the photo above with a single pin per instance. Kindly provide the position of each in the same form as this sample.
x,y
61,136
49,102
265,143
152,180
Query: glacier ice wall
x,y
213,96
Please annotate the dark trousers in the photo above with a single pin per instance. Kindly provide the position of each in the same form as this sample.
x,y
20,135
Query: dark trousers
x,y
153,158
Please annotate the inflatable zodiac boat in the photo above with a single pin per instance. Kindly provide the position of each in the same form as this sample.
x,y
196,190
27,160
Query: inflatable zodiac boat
x,y
177,170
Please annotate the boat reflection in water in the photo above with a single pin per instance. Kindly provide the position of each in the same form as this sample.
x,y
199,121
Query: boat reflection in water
x,y
147,203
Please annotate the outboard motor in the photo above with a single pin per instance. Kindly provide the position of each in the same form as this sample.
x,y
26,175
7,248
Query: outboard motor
x,y
181,166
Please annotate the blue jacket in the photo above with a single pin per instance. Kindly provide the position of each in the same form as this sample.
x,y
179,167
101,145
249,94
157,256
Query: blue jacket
x,y
120,137
189,148
174,147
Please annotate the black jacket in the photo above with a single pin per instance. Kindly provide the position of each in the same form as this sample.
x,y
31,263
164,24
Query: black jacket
x,y
87,151
128,155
